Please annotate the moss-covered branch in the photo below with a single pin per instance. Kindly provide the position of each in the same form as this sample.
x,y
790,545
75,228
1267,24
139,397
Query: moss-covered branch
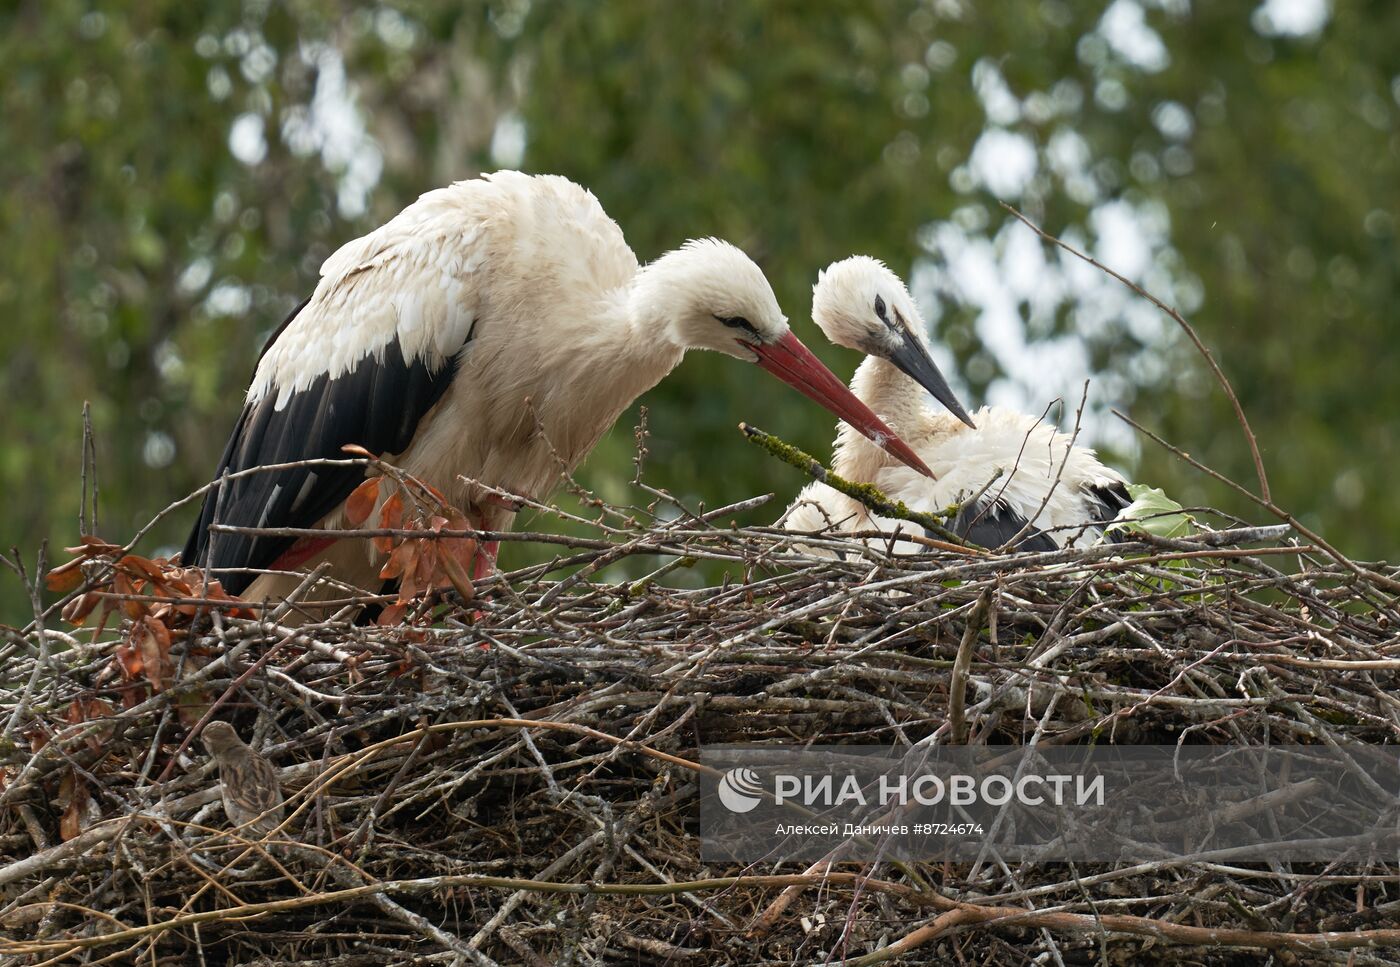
x,y
868,495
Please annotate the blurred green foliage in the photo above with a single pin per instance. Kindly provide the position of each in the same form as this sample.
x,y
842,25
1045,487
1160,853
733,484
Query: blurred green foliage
x,y
172,175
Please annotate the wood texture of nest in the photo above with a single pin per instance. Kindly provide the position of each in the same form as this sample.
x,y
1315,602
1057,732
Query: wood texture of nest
x,y
513,780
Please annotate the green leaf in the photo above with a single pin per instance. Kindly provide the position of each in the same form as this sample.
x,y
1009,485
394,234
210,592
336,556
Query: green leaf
x,y
1153,512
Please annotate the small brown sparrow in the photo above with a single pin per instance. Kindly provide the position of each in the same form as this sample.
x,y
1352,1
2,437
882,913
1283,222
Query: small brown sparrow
x,y
249,781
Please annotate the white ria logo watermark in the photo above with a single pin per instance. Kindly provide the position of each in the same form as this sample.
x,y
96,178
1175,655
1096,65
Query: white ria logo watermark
x,y
740,790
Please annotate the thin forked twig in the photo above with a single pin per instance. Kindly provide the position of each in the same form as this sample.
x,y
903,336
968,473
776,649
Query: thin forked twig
x,y
1186,327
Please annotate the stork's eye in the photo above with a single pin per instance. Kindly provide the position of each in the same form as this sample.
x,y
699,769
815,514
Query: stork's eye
x,y
738,322
880,310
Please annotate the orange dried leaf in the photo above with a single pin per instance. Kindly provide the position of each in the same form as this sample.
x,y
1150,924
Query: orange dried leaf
x,y
90,546
151,638
412,582
122,584
171,585
76,612
464,549
214,591
130,661
70,824
65,577
425,568
391,514
141,567
361,502
459,576
400,562
391,615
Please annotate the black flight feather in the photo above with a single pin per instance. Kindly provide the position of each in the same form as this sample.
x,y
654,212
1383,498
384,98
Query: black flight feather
x,y
1106,503
993,525
377,405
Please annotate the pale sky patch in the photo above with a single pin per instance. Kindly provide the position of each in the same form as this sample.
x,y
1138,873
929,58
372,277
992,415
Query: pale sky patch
x,y
1004,162
1124,26
1291,18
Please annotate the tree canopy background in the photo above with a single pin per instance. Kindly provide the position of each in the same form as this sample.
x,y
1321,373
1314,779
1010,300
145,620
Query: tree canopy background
x,y
173,174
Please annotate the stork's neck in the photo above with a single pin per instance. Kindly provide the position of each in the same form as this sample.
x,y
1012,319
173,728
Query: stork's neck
x,y
901,403
627,341
890,393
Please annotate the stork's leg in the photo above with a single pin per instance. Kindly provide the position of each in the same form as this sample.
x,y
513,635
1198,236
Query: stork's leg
x,y
485,562
504,503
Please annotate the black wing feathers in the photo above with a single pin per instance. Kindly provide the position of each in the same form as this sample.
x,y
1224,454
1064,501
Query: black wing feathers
x,y
1106,503
376,405
994,525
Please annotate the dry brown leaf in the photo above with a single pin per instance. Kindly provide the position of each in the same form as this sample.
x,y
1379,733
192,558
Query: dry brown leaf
x,y
122,584
141,567
459,576
129,660
361,501
65,577
91,546
391,615
74,790
400,562
151,638
391,514
425,567
76,612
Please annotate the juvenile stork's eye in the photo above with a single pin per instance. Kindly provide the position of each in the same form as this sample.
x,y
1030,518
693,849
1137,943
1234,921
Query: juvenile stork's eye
x,y
880,310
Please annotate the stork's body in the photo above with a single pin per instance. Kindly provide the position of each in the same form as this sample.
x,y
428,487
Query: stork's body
x,y
1021,478
488,331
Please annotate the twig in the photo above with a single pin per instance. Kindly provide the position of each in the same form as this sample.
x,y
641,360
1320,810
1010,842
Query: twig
x,y
866,494
1185,326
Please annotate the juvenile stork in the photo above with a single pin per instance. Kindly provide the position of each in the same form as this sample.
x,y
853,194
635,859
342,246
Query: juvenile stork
x,y
1019,478
486,328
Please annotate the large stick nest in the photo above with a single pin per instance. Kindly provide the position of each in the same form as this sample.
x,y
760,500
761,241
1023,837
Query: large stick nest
x,y
512,780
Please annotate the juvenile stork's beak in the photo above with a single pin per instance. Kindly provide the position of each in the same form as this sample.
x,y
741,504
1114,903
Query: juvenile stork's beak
x,y
913,360
794,364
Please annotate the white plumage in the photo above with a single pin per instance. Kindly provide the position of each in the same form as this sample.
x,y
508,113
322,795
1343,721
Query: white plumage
x,y
486,328
1025,479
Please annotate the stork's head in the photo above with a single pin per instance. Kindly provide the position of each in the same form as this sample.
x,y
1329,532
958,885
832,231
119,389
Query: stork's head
x,y
860,304
708,294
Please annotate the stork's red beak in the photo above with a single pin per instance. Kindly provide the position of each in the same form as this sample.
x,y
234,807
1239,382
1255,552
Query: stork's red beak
x,y
794,364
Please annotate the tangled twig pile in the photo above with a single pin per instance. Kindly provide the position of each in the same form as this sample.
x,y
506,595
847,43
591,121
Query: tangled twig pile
x,y
512,780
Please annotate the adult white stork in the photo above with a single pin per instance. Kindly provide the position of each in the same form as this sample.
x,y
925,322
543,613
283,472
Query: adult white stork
x,y
1022,479
486,325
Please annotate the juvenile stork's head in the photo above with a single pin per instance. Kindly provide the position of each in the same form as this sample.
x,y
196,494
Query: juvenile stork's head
x,y
708,294
860,304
